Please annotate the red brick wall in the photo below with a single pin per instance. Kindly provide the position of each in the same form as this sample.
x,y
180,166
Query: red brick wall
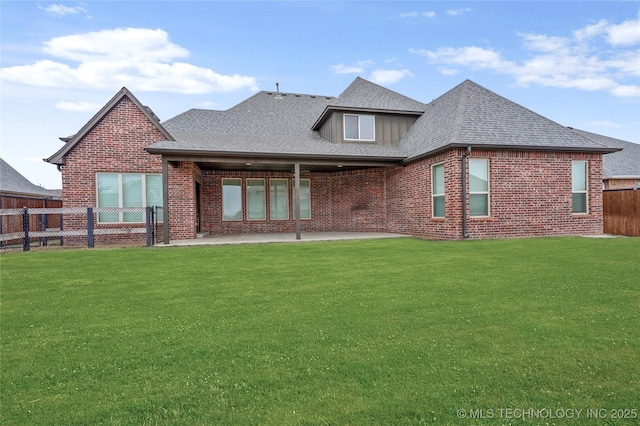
x,y
182,204
115,145
530,195
343,202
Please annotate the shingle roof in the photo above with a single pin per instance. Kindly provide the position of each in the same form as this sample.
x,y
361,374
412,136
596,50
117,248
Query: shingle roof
x,y
11,181
625,163
363,94
470,115
278,123
266,123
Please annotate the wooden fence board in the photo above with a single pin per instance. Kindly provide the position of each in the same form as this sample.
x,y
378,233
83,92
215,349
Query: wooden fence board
x,y
621,212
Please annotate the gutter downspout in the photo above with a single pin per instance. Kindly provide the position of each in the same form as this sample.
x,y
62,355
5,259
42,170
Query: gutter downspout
x,y
464,192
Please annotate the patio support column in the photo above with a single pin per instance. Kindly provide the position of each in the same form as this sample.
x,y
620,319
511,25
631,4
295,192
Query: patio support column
x,y
296,199
165,201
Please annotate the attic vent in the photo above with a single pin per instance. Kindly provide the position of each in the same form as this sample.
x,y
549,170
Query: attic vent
x,y
312,97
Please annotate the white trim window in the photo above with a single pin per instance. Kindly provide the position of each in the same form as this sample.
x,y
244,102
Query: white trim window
x,y
579,187
437,190
256,200
279,199
359,127
127,190
231,199
478,187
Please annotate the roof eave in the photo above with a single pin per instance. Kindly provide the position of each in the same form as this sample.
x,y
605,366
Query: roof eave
x,y
332,108
597,150
272,155
622,177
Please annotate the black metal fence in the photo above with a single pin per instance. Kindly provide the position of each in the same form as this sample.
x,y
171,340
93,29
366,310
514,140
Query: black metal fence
x,y
50,227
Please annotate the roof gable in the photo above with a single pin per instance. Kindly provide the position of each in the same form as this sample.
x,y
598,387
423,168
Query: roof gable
x,y
363,95
72,141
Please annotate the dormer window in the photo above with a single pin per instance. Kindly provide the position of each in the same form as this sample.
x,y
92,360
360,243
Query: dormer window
x,y
359,127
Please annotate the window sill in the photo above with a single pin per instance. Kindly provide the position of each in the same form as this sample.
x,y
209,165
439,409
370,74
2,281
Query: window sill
x,y
364,141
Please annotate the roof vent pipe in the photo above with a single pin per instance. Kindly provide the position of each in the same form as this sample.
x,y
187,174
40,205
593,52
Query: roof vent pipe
x,y
278,87
465,234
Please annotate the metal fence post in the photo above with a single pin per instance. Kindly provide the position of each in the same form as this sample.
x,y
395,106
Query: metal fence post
x,y
25,227
149,219
90,241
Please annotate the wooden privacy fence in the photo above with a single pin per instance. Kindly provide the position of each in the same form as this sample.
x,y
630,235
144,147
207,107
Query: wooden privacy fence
x,y
621,212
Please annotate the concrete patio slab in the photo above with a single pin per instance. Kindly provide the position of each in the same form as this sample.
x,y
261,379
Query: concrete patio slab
x,y
279,238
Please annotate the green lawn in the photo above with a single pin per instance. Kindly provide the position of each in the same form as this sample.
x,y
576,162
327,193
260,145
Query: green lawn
x,y
399,331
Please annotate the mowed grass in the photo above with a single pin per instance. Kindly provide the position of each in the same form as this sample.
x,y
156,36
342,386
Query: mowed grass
x,y
400,331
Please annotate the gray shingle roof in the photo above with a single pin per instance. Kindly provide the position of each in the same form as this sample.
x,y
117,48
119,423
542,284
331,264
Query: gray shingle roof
x,y
363,94
266,123
617,164
11,181
278,123
470,115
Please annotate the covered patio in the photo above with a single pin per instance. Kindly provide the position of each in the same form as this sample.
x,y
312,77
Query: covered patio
x,y
211,240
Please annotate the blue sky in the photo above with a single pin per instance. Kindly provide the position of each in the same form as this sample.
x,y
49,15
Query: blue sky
x,y
575,62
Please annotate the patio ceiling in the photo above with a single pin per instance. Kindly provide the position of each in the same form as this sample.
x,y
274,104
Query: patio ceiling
x,y
278,164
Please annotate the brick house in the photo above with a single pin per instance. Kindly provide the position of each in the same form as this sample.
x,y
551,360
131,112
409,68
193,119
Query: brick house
x,y
469,164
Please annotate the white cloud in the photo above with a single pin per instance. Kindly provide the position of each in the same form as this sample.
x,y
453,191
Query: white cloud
x,y
591,31
447,71
62,10
625,34
473,57
357,68
415,14
454,12
78,106
627,91
592,58
141,59
121,44
381,76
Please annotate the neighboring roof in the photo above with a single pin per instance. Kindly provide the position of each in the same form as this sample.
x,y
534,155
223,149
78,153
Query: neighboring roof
x,y
71,141
281,124
621,164
11,181
470,115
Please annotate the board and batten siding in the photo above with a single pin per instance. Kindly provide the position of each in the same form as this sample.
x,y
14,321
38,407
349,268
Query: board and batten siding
x,y
390,128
